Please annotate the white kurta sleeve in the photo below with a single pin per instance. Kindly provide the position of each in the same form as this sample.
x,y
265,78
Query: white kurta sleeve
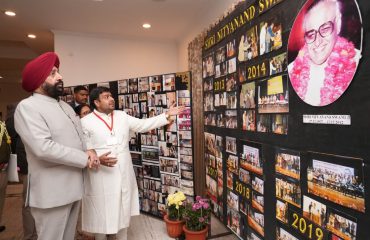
x,y
35,133
145,125
87,137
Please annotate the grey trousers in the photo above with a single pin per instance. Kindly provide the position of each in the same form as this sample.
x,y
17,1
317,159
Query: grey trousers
x,y
58,223
121,235
29,228
3,185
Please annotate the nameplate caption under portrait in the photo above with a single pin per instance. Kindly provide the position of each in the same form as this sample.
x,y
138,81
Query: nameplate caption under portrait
x,y
327,119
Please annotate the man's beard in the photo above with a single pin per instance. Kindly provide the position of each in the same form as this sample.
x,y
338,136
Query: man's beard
x,y
53,91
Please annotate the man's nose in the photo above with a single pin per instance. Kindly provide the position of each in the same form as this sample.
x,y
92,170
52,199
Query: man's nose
x,y
318,40
59,77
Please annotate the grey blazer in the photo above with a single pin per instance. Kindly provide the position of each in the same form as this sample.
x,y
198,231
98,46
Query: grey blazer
x,y
52,136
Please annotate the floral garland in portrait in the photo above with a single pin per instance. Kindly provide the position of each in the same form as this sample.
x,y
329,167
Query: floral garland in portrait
x,y
338,73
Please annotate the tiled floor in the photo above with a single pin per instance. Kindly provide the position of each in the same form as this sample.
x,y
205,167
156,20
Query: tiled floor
x,y
142,227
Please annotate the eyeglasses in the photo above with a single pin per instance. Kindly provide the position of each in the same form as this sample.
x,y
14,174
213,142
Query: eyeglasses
x,y
324,30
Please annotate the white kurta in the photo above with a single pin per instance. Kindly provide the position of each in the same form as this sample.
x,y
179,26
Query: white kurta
x,y
110,193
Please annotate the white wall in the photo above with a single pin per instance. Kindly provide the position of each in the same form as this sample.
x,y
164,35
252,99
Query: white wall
x,y
92,59
209,16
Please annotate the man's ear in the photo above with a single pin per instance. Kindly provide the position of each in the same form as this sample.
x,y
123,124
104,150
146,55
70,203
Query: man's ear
x,y
97,103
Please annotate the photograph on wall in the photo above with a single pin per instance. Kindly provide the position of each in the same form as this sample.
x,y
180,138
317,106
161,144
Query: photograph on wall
x,y
135,110
278,64
248,45
208,101
230,49
256,220
282,211
340,182
249,120
288,163
183,102
210,119
160,99
211,186
208,66
183,93
183,81
273,96
231,120
251,158
169,166
244,176
220,99
233,220
170,180
279,124
220,55
263,123
231,82
155,83
169,82
167,150
324,50
282,234
231,145
151,170
232,163
231,100
221,69
219,146
132,85
143,84
208,84
220,120
242,73
123,86
149,154
288,191
253,236
270,35
135,97
103,84
258,201
257,184
120,101
229,179
209,143
232,200
314,211
341,225
231,65
247,95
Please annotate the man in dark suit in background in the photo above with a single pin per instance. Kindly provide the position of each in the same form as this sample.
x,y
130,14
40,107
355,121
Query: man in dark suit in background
x,y
80,95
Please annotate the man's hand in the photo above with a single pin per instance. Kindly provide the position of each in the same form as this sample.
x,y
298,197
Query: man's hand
x,y
107,161
93,160
173,111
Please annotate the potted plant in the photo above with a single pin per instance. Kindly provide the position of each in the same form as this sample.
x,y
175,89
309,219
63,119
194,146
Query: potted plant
x,y
197,217
173,218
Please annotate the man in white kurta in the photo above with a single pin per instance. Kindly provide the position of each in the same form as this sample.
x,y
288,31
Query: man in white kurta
x,y
111,194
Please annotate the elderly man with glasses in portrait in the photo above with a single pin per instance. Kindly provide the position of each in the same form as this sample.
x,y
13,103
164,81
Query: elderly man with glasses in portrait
x,y
327,62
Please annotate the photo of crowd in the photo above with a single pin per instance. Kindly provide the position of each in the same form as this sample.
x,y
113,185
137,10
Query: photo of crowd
x,y
288,163
168,165
341,226
250,159
273,95
288,191
170,180
149,154
337,183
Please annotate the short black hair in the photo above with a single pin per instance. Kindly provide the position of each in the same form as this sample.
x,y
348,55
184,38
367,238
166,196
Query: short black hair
x,y
79,88
95,93
78,108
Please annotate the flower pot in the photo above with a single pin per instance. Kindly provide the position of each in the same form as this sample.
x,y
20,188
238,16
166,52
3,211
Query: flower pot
x,y
195,235
174,228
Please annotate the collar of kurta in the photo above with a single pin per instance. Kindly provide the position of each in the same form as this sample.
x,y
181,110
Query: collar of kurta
x,y
102,114
44,97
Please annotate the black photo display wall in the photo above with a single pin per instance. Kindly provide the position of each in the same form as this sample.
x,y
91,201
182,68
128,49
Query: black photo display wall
x,y
162,158
269,173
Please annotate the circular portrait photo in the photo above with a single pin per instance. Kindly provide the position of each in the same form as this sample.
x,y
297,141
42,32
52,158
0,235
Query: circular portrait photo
x,y
324,50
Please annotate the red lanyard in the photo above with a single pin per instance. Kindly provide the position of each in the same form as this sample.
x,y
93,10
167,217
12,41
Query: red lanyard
x,y
106,124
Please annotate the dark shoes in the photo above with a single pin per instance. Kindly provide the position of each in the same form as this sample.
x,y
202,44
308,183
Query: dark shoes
x,y
2,228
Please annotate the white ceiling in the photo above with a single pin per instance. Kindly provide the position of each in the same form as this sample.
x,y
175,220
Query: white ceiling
x,y
171,20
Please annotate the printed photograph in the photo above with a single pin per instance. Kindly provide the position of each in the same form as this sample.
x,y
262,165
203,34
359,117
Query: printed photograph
x,y
155,83
170,166
250,159
221,55
186,159
220,120
247,95
231,119
242,70
232,163
149,154
341,225
220,99
282,211
208,101
151,170
232,200
278,64
248,45
169,82
279,124
208,66
132,85
231,82
231,65
208,84
231,100
288,191
171,99
123,86
244,176
233,220
257,201
170,180
314,211
270,35
282,234
167,151
143,84
256,221
230,145
315,50
263,123
230,49
257,184
338,183
211,186
288,163
273,96
249,120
